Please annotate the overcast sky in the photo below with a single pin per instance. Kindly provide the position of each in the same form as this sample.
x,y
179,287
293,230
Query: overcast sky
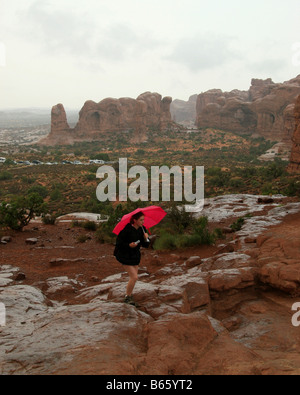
x,y
70,51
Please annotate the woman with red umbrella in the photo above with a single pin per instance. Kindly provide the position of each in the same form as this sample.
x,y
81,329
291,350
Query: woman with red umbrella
x,y
132,235
127,251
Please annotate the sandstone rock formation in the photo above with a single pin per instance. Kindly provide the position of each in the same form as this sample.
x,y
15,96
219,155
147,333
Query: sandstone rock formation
x,y
227,314
148,111
294,166
265,110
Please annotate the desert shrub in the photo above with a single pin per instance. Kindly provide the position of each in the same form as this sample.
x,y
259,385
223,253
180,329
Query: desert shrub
x,y
269,189
179,219
75,223
90,177
236,183
166,241
185,241
5,176
200,228
238,224
49,219
28,180
104,232
292,189
200,236
90,225
82,238
21,210
38,189
274,170
56,195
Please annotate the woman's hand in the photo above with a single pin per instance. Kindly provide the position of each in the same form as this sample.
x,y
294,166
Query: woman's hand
x,y
133,245
146,236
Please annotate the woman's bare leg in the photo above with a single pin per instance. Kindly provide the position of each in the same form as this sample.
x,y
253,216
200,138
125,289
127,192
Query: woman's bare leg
x,y
133,277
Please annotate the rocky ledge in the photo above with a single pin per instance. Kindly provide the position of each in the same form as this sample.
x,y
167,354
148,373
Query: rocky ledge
x,y
229,313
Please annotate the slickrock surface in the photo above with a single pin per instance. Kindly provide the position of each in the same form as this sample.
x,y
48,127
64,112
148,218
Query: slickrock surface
x,y
223,309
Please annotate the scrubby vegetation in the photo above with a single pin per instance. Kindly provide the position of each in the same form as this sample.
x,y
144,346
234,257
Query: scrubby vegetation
x,y
20,210
230,161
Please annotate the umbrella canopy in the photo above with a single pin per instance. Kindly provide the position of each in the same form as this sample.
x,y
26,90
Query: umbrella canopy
x,y
153,215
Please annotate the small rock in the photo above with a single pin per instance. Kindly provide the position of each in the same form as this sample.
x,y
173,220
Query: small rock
x,y
265,200
95,279
6,239
193,261
250,240
31,241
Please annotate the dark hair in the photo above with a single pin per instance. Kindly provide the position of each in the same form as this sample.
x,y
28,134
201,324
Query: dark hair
x,y
136,216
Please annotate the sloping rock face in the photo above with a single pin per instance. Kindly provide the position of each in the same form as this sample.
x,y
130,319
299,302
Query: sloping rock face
x,y
294,166
226,314
265,110
148,111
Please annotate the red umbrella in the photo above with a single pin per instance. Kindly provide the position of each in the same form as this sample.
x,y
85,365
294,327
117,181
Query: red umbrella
x,y
153,215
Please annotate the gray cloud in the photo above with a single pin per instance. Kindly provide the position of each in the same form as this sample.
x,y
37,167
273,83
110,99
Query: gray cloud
x,y
74,34
268,65
57,31
120,42
203,52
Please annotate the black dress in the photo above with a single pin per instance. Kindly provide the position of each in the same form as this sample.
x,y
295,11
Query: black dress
x,y
125,254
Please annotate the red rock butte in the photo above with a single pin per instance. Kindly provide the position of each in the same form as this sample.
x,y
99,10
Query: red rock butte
x,y
265,110
148,111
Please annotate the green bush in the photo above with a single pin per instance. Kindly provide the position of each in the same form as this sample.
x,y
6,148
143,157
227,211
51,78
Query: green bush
x,y
90,225
56,195
238,224
38,189
200,228
165,242
179,219
5,176
200,236
49,219
19,212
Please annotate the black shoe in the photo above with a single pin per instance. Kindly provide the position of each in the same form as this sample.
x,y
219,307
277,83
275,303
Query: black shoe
x,y
129,300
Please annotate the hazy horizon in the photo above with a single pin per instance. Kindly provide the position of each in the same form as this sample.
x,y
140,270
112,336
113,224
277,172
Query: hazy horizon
x,y
69,52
